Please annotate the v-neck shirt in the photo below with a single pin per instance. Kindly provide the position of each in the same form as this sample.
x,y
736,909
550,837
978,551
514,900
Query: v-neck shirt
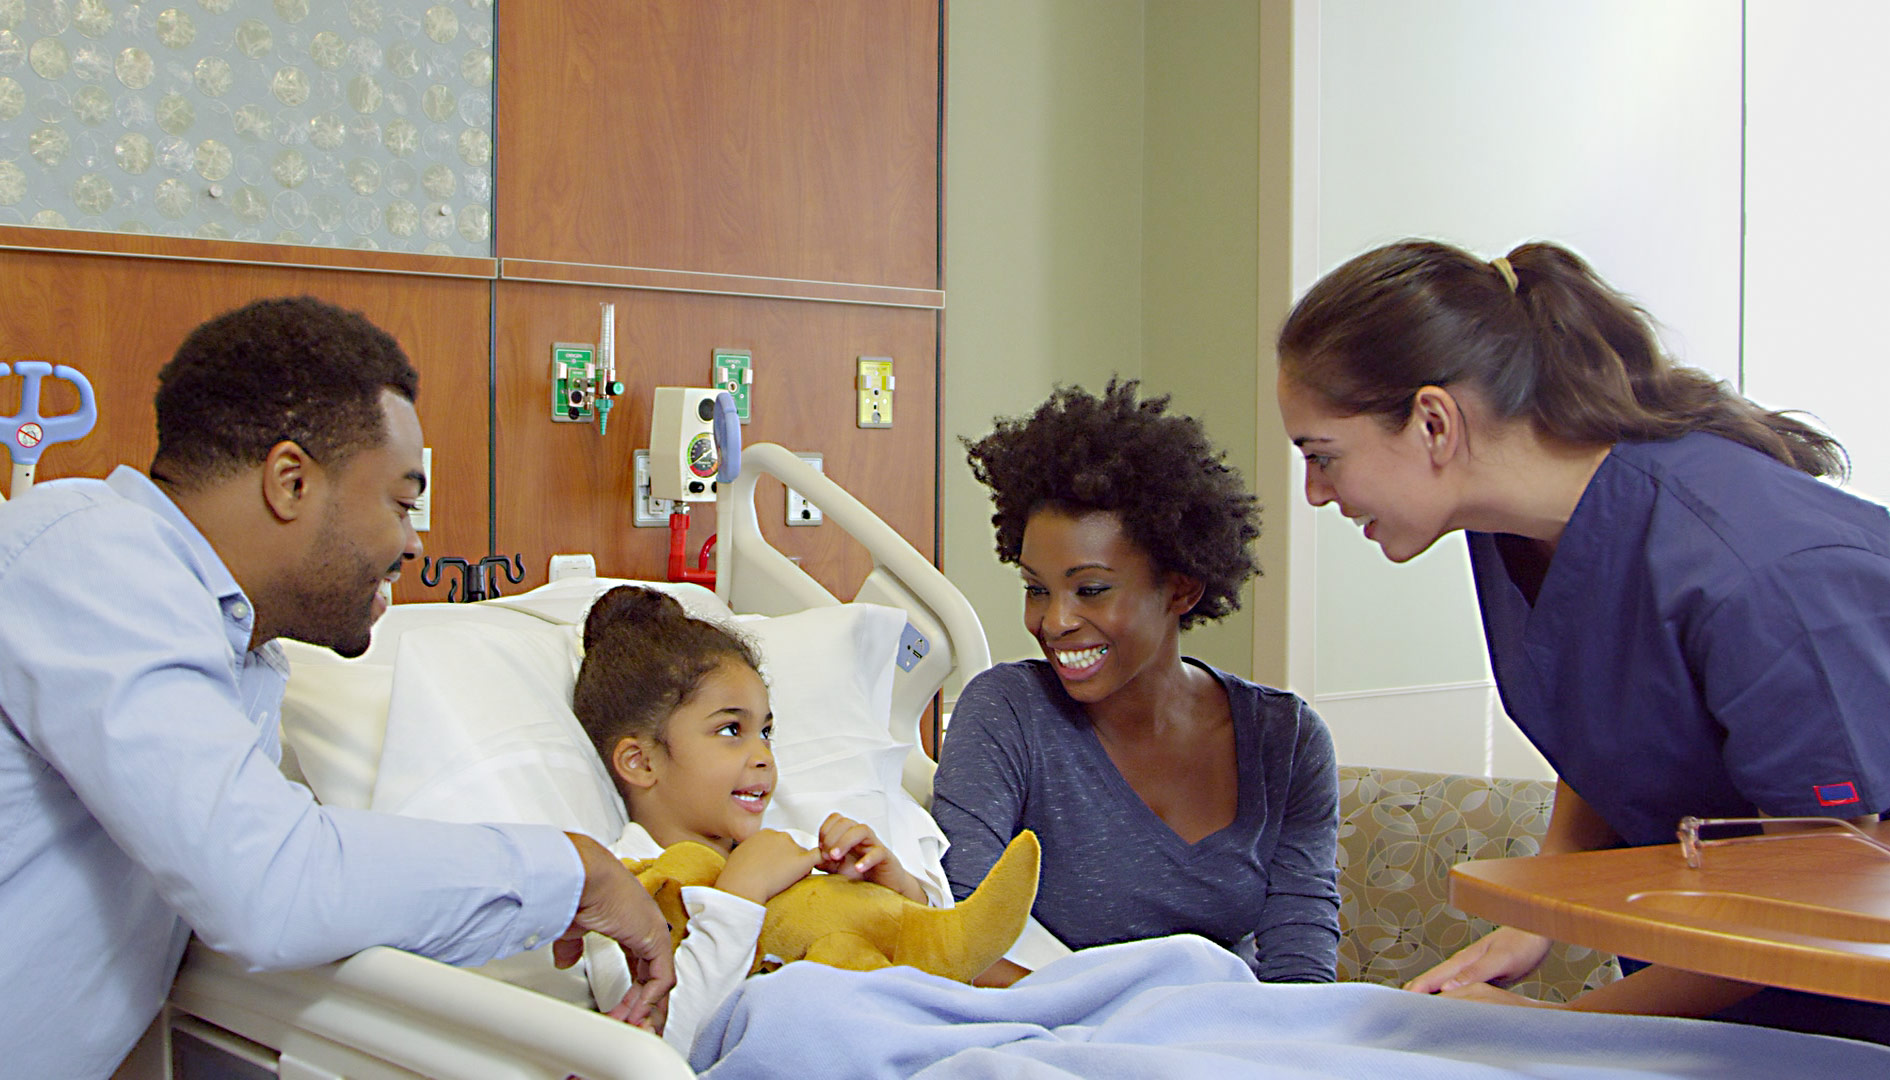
x,y
1712,638
1021,754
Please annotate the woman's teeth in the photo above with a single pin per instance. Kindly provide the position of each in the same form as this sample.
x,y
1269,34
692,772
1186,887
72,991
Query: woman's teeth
x,y
1080,660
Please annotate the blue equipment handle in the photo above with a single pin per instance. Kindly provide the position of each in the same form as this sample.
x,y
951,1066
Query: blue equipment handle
x,y
727,429
43,431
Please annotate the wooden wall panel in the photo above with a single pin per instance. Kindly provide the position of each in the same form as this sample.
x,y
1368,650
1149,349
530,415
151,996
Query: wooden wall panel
x,y
119,319
665,145
563,488
759,137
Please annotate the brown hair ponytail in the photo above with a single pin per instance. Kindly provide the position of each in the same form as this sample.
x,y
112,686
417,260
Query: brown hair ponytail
x,y
1558,346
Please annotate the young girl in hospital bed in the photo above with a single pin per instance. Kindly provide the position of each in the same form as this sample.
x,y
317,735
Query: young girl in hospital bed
x,y
678,711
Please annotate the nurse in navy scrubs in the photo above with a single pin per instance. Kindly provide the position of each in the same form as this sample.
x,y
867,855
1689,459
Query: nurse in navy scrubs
x,y
1681,616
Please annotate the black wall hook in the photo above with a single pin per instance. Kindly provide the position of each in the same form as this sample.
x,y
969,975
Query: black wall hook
x,y
476,579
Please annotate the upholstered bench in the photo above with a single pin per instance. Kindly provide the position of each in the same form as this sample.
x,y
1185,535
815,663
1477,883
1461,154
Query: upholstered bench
x,y
1400,832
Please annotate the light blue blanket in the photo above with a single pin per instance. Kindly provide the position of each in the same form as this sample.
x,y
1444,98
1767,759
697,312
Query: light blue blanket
x,y
1184,1007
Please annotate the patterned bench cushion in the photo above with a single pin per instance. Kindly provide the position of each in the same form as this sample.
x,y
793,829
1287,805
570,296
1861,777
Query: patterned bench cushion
x,y
1400,832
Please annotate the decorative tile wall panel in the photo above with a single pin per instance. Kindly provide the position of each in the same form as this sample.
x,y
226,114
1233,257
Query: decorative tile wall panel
x,y
344,123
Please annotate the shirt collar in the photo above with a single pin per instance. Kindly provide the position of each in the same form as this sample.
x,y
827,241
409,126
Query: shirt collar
x,y
134,486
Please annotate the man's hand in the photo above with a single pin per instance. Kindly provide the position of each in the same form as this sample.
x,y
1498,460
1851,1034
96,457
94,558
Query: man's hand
x,y
617,906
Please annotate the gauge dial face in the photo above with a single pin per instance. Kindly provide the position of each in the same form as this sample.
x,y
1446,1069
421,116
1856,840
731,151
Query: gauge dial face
x,y
702,455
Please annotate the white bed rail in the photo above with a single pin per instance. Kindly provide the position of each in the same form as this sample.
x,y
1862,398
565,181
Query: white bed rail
x,y
752,577
384,1014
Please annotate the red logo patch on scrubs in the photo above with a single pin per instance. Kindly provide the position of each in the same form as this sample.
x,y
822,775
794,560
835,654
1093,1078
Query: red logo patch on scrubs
x,y
1835,794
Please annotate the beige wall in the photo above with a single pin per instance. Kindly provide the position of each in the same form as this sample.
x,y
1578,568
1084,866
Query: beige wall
x,y
1043,241
1102,218
1200,263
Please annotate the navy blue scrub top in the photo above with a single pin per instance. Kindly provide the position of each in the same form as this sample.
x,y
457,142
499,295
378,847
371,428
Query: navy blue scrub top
x,y
1712,637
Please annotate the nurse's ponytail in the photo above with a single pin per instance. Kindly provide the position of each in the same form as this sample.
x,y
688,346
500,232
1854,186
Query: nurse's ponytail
x,y
1537,333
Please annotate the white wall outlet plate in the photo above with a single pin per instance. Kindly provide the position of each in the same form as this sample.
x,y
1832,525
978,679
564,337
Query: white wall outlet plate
x,y
799,510
422,515
564,566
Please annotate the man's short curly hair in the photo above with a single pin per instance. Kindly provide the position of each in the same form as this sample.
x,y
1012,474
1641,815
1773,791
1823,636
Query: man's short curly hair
x,y
1159,474
294,369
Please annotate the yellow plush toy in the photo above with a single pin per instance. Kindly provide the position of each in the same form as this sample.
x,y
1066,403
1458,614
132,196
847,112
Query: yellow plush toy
x,y
861,926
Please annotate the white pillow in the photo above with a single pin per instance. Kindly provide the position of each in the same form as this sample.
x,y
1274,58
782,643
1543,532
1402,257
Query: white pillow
x,y
461,712
480,728
570,600
830,679
334,712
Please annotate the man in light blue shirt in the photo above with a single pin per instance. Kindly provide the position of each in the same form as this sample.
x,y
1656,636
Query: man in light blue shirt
x,y
140,687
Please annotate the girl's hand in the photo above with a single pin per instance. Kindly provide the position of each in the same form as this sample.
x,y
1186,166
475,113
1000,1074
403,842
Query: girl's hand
x,y
1500,956
850,849
764,864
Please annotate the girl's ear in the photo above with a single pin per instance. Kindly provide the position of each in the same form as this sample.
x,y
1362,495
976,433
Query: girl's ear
x,y
631,762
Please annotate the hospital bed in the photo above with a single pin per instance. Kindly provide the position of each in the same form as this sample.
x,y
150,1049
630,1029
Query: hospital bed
x,y
363,733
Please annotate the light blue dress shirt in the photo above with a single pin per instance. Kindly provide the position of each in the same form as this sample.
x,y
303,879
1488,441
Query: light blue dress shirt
x,y
140,796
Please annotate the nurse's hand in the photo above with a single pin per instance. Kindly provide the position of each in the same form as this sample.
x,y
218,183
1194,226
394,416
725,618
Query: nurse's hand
x,y
1491,995
615,904
1500,956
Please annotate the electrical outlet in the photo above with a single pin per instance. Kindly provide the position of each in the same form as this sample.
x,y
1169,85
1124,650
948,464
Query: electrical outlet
x,y
875,386
799,510
422,515
650,512
564,566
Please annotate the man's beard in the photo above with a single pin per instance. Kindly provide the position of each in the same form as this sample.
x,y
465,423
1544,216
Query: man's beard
x,y
331,602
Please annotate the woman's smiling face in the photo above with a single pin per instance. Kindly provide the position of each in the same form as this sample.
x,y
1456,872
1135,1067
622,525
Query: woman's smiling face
x,y
1096,603
1383,480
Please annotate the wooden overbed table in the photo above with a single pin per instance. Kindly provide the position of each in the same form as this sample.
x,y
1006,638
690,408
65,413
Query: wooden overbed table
x,y
1810,913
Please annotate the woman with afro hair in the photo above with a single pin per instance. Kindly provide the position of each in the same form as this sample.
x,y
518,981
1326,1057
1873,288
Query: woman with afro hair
x,y
1169,797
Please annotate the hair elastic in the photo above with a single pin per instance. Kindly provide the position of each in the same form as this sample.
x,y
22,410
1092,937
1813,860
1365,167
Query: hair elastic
x,y
1509,274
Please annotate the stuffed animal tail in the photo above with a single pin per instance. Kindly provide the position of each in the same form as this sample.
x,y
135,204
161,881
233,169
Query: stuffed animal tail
x,y
960,942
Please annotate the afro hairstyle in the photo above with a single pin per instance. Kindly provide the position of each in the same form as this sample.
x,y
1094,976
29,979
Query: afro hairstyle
x,y
292,369
1171,488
